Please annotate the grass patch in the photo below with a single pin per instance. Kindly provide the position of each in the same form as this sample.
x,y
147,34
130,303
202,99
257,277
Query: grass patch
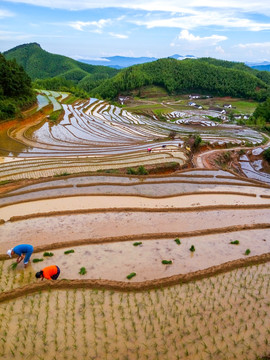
x,y
192,248
49,254
178,242
37,260
247,252
137,243
69,251
55,115
139,171
4,182
131,275
82,271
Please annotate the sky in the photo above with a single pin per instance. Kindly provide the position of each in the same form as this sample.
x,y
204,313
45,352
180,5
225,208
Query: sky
x,y
236,30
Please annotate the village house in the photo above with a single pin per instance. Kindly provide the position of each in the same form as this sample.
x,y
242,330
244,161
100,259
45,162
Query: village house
x,y
191,103
227,106
194,96
213,108
123,99
198,106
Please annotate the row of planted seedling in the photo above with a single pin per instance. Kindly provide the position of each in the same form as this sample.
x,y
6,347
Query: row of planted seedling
x,y
207,319
178,242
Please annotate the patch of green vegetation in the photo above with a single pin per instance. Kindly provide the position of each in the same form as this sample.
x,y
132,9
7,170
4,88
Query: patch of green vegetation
x,y
110,171
69,251
82,271
37,260
139,171
247,252
266,155
178,242
49,254
16,91
54,116
192,248
131,275
62,174
4,182
167,262
137,243
235,242
246,107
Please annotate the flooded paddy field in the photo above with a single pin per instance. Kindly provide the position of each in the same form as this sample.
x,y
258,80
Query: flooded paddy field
x,y
209,300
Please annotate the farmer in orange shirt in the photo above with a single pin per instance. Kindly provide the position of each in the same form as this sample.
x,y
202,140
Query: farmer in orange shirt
x,y
50,272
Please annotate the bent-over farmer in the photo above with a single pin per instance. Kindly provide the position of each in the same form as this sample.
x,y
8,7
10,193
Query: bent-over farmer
x,y
24,252
50,272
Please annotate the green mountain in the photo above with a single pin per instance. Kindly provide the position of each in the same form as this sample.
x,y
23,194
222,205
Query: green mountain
x,y
40,64
206,76
15,89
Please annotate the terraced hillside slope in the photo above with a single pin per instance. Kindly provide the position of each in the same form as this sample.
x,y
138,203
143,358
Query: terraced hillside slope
x,y
152,267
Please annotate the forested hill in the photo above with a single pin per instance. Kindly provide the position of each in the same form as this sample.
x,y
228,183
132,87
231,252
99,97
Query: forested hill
x,y
206,76
15,88
40,64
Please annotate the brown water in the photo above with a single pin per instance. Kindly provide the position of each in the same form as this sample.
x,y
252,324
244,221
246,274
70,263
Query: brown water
x,y
118,202
48,230
115,261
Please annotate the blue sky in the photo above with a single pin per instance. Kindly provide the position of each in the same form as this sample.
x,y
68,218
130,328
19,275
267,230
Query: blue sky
x,y
89,29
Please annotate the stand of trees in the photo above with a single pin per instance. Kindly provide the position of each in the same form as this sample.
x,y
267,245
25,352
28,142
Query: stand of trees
x,y
179,77
15,89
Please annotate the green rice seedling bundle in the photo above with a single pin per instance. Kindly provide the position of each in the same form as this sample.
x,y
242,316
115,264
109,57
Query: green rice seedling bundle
x,y
167,262
82,271
69,252
137,243
131,275
49,254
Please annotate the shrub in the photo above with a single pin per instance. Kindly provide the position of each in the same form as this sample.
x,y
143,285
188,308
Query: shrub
x,y
137,243
192,248
178,242
266,155
142,171
247,252
235,242
131,171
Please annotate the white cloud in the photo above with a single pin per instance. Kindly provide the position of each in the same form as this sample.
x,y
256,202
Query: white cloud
x,y
5,13
254,45
258,6
220,50
196,19
118,36
213,39
80,25
79,57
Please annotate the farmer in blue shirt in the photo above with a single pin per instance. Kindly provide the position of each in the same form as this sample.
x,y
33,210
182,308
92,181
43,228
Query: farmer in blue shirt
x,y
24,251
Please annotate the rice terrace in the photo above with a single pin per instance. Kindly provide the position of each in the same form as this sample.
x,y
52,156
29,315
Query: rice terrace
x,y
160,228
